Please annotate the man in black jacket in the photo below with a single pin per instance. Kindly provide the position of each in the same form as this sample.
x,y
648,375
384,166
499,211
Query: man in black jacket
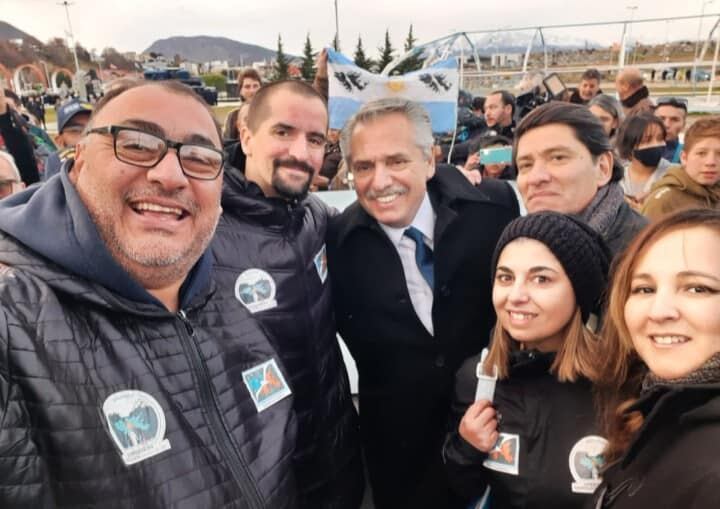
x,y
410,267
271,238
127,379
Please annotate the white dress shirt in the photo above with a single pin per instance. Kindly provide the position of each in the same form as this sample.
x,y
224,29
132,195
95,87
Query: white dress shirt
x,y
421,294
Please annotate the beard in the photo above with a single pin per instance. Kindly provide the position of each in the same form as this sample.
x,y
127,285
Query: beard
x,y
152,260
289,189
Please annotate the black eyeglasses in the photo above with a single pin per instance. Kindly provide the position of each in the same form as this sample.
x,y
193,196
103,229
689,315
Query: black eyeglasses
x,y
140,148
675,102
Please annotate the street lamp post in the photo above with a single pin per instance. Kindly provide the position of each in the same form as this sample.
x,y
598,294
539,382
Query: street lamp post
x,y
80,87
337,28
632,9
693,76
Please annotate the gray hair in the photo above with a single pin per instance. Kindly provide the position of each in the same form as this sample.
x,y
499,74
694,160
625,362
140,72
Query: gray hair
x,y
414,112
609,105
11,161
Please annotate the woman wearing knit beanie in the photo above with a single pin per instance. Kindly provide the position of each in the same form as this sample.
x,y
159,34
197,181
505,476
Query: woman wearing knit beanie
x,y
663,368
535,444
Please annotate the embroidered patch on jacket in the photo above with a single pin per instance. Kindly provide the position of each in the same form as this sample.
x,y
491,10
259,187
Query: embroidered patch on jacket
x,y
321,264
505,456
266,384
586,460
137,425
255,289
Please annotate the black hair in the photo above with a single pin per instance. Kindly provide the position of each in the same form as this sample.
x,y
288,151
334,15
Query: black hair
x,y
633,129
591,74
506,98
587,128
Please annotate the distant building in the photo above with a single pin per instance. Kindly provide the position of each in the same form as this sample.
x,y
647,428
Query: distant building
x,y
505,59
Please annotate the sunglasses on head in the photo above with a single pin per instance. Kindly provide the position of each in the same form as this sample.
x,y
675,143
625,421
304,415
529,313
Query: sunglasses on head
x,y
676,102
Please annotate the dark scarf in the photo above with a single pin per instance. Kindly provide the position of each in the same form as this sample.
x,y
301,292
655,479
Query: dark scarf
x,y
635,98
603,208
707,373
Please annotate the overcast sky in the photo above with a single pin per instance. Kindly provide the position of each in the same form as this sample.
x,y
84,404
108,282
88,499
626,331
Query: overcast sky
x,y
132,25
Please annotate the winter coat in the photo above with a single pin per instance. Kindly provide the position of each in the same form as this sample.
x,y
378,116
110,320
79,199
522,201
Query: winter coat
x,y
406,374
282,244
676,191
673,460
547,452
110,400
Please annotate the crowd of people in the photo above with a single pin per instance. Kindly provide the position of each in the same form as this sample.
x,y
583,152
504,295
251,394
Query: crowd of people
x,y
534,325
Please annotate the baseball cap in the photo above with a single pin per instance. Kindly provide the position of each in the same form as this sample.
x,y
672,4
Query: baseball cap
x,y
68,110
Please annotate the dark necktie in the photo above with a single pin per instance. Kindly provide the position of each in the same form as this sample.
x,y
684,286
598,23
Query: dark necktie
x,y
423,255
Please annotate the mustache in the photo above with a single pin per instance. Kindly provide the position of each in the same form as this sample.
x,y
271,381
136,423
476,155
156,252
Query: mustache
x,y
294,163
156,191
394,189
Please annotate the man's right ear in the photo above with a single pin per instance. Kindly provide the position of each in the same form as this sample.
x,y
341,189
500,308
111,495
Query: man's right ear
x,y
245,137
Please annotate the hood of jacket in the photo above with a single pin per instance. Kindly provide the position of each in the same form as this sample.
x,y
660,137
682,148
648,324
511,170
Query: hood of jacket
x,y
51,221
678,178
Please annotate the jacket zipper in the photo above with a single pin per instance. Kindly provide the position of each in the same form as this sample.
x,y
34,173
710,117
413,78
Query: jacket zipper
x,y
221,435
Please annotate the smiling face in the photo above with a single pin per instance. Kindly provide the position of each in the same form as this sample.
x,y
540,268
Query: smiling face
x,y
155,222
557,172
390,170
532,295
672,310
287,148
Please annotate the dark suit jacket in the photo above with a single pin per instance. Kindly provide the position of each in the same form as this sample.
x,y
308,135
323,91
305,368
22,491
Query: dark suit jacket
x,y
406,375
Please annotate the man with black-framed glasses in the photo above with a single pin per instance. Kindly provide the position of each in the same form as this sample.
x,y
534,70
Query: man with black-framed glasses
x,y
127,377
673,113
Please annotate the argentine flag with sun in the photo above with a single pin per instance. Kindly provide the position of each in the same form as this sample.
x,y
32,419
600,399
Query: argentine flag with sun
x,y
435,87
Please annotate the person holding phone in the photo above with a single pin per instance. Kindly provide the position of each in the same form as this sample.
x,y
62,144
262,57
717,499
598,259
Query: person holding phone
x,y
536,445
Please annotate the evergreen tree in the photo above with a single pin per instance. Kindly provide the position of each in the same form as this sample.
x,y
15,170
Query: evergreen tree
x,y
386,53
361,60
280,69
413,62
308,62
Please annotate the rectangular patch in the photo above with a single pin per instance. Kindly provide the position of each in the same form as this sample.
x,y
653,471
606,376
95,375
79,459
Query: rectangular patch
x,y
266,384
505,456
321,264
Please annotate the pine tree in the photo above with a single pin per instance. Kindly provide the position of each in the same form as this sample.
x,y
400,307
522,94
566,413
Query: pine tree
x,y
386,53
410,41
361,60
280,69
307,70
413,62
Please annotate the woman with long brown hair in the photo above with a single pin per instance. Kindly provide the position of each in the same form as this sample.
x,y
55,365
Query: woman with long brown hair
x,y
662,410
536,443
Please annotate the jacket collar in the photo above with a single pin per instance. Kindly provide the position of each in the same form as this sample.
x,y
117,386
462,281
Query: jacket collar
x,y
685,403
637,96
245,199
447,190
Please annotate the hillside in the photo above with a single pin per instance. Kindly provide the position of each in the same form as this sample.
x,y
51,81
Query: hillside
x,y
10,32
203,48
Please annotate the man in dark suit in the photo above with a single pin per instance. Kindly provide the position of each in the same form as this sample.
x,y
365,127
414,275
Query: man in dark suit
x,y
410,267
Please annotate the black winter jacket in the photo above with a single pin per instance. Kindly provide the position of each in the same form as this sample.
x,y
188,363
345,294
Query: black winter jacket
x,y
545,427
283,244
673,460
71,435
